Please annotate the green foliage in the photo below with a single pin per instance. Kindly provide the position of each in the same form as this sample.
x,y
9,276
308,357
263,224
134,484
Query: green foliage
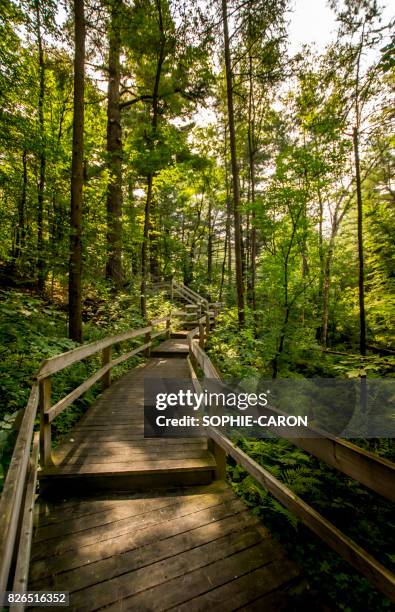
x,y
363,516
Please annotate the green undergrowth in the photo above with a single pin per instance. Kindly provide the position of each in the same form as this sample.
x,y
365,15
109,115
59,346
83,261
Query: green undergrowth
x,y
363,516
251,350
33,329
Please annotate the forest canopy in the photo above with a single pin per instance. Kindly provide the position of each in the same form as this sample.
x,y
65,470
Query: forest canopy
x,y
149,140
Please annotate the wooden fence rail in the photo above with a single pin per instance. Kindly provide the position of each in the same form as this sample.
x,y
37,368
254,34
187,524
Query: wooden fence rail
x,y
369,469
18,496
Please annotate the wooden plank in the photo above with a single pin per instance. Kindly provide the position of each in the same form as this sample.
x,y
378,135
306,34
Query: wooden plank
x,y
57,408
154,551
128,509
25,540
127,356
209,567
140,467
169,523
376,473
59,362
11,498
242,591
169,509
124,457
160,320
375,572
143,581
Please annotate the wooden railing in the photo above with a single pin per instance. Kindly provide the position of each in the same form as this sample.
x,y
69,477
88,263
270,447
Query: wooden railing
x,y
18,496
189,295
369,469
17,500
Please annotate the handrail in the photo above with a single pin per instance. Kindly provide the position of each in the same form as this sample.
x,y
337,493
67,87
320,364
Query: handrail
x,y
12,502
64,360
371,470
374,472
381,577
18,496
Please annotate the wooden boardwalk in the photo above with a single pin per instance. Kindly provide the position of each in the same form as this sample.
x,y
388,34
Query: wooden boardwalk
x,y
190,549
144,538
107,448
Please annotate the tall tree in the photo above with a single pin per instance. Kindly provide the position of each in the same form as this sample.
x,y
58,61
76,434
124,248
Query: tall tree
x,y
77,176
235,168
114,149
42,155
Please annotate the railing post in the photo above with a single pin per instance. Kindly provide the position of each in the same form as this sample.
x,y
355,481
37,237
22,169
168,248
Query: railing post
x,y
207,324
168,327
147,351
220,458
106,359
201,334
45,427
172,290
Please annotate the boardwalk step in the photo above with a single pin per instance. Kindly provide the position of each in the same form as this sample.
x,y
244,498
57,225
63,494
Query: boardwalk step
x,y
97,473
171,348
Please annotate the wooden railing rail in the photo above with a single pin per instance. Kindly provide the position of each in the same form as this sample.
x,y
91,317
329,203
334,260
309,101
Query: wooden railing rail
x,y
369,469
374,472
49,412
62,361
17,500
193,294
378,575
18,495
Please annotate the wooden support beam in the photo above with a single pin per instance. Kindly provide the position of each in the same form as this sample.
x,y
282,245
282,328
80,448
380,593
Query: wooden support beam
x,y
106,359
45,424
148,340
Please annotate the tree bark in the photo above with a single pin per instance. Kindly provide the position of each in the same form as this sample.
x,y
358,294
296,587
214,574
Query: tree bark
x,y
251,157
114,154
77,177
325,291
235,170
21,227
150,176
361,275
42,157
209,248
144,250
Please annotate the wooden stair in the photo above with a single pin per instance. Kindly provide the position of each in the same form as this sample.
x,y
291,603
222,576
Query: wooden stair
x,y
136,476
107,449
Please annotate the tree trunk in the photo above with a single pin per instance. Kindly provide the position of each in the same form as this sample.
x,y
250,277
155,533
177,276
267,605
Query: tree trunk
x,y
144,250
361,276
325,292
209,249
150,176
42,158
235,170
114,153
77,176
21,228
251,158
